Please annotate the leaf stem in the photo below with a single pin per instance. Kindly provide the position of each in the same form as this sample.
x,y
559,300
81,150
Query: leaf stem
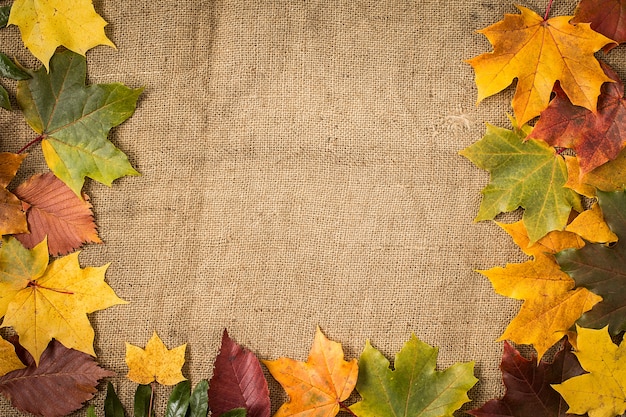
x,y
346,408
32,142
151,399
36,285
545,17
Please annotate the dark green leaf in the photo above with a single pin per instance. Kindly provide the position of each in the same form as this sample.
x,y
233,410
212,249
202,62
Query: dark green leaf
x,y
112,405
199,402
8,69
5,103
91,411
178,403
4,15
237,412
143,395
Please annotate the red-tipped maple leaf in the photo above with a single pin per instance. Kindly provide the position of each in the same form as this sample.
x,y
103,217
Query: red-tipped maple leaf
x,y
607,17
596,138
238,382
54,210
63,381
528,385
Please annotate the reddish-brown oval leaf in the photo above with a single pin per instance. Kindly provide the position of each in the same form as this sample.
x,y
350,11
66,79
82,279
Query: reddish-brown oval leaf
x,y
607,17
596,138
63,381
238,382
528,390
12,218
53,209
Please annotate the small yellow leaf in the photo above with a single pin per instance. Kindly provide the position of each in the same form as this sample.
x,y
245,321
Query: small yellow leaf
x,y
551,243
8,358
590,225
47,24
575,180
155,363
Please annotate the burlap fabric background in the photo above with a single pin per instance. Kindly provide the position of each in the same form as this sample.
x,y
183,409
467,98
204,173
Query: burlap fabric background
x,y
299,168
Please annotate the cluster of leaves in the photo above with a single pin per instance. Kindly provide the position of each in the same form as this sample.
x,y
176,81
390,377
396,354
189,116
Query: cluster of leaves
x,y
318,387
567,173
48,367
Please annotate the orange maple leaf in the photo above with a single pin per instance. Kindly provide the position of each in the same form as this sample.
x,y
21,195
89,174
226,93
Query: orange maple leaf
x,y
316,387
538,53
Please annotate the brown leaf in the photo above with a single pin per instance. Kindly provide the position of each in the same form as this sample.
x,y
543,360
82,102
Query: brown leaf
x,y
53,209
12,218
605,16
63,381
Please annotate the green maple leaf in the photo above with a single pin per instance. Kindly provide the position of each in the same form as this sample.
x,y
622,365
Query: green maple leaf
x,y
528,174
74,120
414,388
602,269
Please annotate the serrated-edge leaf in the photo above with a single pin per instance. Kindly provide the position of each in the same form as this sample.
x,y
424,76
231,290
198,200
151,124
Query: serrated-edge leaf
x,y
199,401
178,403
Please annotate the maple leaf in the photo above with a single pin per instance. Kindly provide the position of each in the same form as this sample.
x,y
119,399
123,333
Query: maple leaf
x,y
600,392
9,361
73,121
523,173
590,225
539,53
551,304
238,382
63,381
596,137
42,301
414,388
553,242
53,210
155,363
48,24
318,386
12,218
610,176
601,269
605,17
528,385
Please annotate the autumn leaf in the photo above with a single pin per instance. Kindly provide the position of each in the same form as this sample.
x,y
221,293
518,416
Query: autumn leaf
x,y
596,137
9,69
605,16
523,173
414,388
551,304
42,301
528,385
12,217
238,382
601,269
48,24
9,361
553,242
53,210
155,363
63,381
590,225
538,53
600,392
318,386
610,176
73,121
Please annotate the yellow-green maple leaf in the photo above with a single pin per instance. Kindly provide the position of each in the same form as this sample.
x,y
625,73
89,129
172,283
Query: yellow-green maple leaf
x,y
155,363
600,392
48,24
538,53
44,302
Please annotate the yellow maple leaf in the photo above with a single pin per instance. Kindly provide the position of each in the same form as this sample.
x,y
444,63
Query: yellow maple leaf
x,y
551,243
44,302
47,24
318,386
551,304
538,53
155,363
601,391
610,176
8,358
590,225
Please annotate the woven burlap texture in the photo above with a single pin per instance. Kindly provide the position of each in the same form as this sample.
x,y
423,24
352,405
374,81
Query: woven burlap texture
x,y
300,167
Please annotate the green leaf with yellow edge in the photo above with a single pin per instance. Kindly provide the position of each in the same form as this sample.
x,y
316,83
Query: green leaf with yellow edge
x,y
414,388
551,304
74,121
528,174
44,302
155,362
600,392
610,176
9,361
48,24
